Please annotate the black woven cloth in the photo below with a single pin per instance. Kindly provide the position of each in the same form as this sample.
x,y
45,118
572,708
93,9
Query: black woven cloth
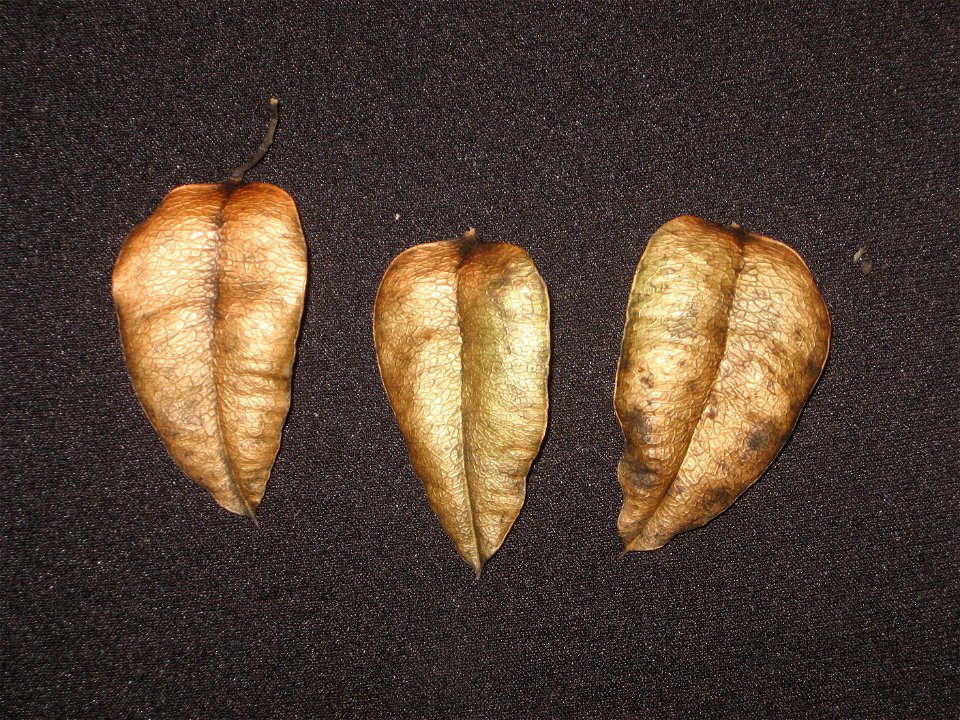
x,y
829,590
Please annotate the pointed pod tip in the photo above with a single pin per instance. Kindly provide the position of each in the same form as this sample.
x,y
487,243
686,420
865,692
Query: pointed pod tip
x,y
239,506
470,234
643,544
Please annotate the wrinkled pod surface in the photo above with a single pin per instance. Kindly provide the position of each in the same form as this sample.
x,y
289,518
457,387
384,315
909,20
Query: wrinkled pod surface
x,y
209,294
461,329
726,335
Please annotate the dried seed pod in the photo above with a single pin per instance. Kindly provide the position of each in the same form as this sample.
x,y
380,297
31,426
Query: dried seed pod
x,y
462,332
725,337
209,293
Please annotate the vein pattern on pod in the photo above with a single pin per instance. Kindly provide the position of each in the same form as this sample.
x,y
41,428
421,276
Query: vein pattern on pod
x,y
725,338
209,293
462,335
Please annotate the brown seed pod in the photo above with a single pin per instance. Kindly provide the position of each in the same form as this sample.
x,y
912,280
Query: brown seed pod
x,y
725,337
209,293
462,332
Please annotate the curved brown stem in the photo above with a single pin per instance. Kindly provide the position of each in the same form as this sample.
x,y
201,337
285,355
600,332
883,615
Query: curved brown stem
x,y
237,175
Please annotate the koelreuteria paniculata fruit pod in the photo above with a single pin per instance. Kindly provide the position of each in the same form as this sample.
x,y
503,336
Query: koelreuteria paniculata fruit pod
x,y
726,335
209,293
462,331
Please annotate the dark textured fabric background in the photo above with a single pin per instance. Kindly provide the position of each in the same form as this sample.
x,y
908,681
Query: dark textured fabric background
x,y
829,589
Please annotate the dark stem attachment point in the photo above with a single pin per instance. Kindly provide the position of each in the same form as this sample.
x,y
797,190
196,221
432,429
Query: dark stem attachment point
x,y
237,175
